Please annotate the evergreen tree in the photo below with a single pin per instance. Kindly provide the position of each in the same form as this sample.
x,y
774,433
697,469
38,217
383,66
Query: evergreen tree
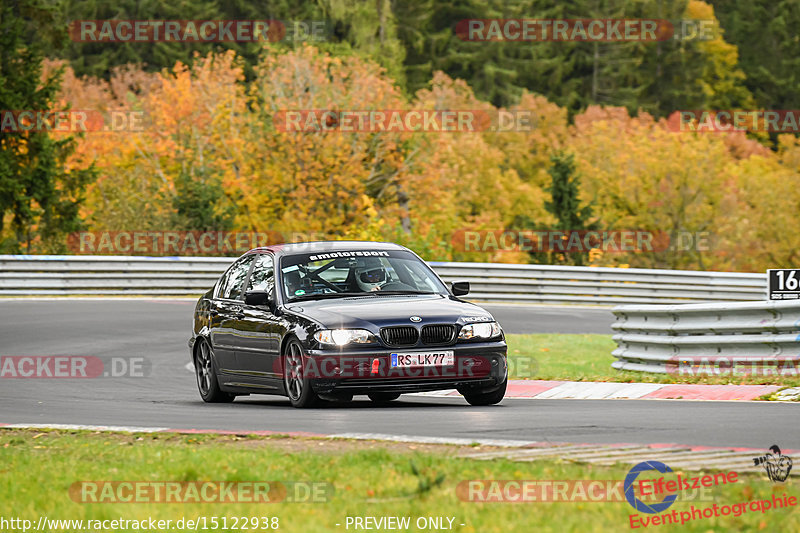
x,y
693,73
39,195
199,204
658,77
98,58
495,70
414,38
364,28
766,32
565,205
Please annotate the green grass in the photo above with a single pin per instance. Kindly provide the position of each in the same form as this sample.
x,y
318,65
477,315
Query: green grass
x,y
553,356
368,479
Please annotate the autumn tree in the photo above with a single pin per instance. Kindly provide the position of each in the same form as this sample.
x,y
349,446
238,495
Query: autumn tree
x,y
641,176
767,200
326,182
216,153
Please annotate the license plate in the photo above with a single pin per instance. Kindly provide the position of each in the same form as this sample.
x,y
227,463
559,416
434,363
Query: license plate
x,y
403,360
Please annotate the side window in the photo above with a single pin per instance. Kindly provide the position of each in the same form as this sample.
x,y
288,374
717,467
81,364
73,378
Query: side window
x,y
236,278
220,290
263,276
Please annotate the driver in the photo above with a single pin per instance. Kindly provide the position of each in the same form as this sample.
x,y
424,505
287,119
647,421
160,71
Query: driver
x,y
371,275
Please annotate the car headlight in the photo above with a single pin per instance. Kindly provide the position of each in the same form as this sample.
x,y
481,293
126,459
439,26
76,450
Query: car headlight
x,y
480,330
340,337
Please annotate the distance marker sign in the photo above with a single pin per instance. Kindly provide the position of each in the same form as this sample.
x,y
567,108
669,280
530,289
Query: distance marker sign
x,y
783,284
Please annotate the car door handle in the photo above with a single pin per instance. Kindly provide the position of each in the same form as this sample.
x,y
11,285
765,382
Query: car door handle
x,y
237,311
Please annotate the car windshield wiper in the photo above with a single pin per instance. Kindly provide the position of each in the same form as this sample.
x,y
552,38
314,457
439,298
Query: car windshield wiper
x,y
323,296
331,295
395,293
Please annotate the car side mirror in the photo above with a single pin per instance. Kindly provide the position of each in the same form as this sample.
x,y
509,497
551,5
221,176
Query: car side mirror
x,y
460,288
260,299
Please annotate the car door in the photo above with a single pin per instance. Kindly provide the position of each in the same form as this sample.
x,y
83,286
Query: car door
x,y
257,333
226,309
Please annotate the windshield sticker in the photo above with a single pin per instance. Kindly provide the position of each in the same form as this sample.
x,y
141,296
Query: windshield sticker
x,y
357,253
299,292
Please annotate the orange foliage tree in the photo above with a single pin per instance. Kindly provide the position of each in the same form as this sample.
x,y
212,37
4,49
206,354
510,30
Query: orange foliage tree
x,y
213,153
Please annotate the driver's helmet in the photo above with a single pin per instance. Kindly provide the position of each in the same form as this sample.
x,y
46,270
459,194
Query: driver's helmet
x,y
370,274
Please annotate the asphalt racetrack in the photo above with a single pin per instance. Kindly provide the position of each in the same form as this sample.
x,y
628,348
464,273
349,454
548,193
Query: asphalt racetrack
x,y
156,332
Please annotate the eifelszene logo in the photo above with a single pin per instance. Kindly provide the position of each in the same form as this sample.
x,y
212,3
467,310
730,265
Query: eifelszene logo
x,y
630,482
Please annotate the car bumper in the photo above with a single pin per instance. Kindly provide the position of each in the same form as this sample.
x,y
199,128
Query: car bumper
x,y
478,366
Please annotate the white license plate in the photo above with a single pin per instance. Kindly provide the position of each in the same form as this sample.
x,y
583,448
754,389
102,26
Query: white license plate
x,y
443,358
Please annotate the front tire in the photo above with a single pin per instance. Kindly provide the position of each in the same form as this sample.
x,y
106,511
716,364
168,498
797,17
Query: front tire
x,y
296,383
205,371
487,398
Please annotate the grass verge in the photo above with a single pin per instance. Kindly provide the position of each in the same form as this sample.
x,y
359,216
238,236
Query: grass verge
x,y
555,356
367,479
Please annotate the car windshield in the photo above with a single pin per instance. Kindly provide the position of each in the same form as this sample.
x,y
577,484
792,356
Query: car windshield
x,y
356,273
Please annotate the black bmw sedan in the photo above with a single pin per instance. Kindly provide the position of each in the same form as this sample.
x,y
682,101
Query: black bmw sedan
x,y
330,320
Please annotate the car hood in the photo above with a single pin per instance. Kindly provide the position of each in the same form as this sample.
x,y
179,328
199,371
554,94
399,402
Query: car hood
x,y
375,312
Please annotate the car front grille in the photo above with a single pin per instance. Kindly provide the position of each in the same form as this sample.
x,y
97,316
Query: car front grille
x,y
400,335
432,335
438,334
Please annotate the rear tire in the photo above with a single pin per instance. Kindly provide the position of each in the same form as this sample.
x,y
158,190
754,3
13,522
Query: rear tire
x,y
296,383
206,373
383,397
487,398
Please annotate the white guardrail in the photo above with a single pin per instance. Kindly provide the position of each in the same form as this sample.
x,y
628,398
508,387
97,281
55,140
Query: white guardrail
x,y
189,276
708,338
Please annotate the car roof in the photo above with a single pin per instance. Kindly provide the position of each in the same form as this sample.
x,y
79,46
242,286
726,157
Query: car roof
x,y
325,246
